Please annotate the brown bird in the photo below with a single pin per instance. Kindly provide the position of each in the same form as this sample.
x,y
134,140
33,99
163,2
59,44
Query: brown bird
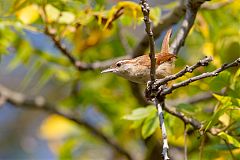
x,y
138,69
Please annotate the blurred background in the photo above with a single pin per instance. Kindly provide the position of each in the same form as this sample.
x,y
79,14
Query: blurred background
x,y
31,64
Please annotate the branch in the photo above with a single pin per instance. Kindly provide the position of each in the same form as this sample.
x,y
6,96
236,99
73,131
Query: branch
x,y
216,5
202,76
81,66
40,103
187,120
160,105
168,20
187,69
192,7
148,29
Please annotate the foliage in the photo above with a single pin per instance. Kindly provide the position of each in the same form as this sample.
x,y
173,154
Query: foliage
x,y
94,31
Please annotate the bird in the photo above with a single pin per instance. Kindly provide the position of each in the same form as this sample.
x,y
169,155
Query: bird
x,y
138,69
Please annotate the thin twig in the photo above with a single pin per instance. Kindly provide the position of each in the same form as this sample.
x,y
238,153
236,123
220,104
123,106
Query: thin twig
x,y
216,5
21,100
187,120
166,21
185,141
230,150
202,76
160,105
201,148
148,29
187,69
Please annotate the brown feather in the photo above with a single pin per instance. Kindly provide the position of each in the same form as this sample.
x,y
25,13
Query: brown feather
x,y
165,43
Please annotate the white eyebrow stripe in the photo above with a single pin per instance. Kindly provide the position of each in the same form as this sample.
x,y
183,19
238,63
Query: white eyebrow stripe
x,y
123,61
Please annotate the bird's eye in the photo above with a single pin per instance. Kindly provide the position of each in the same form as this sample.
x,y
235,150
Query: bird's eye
x,y
118,64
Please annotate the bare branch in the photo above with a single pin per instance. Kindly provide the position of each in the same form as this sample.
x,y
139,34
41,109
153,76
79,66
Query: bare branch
x,y
81,66
202,76
187,120
216,5
40,103
168,20
187,69
148,29
185,142
192,7
160,105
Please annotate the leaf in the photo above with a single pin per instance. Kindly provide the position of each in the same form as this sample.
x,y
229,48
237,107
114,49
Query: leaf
x,y
229,139
52,13
150,125
155,13
136,124
66,150
228,100
223,99
28,14
220,111
225,119
67,17
140,113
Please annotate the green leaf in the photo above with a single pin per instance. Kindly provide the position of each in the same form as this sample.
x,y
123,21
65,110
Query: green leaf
x,y
67,149
222,80
150,125
220,111
140,113
229,139
136,124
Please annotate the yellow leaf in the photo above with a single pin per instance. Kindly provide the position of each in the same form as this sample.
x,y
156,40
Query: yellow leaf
x,y
225,119
52,13
28,14
56,128
67,17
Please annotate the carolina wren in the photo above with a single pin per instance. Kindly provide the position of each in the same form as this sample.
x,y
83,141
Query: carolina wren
x,y
138,69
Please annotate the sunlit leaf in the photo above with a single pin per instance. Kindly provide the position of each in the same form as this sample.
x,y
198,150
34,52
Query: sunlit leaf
x,y
52,13
140,113
214,119
229,139
28,14
67,17
225,119
66,150
150,125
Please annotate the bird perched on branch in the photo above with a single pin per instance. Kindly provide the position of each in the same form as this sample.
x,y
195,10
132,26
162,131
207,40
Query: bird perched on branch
x,y
138,69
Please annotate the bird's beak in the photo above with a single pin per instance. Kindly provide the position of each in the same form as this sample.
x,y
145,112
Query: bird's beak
x,y
108,70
